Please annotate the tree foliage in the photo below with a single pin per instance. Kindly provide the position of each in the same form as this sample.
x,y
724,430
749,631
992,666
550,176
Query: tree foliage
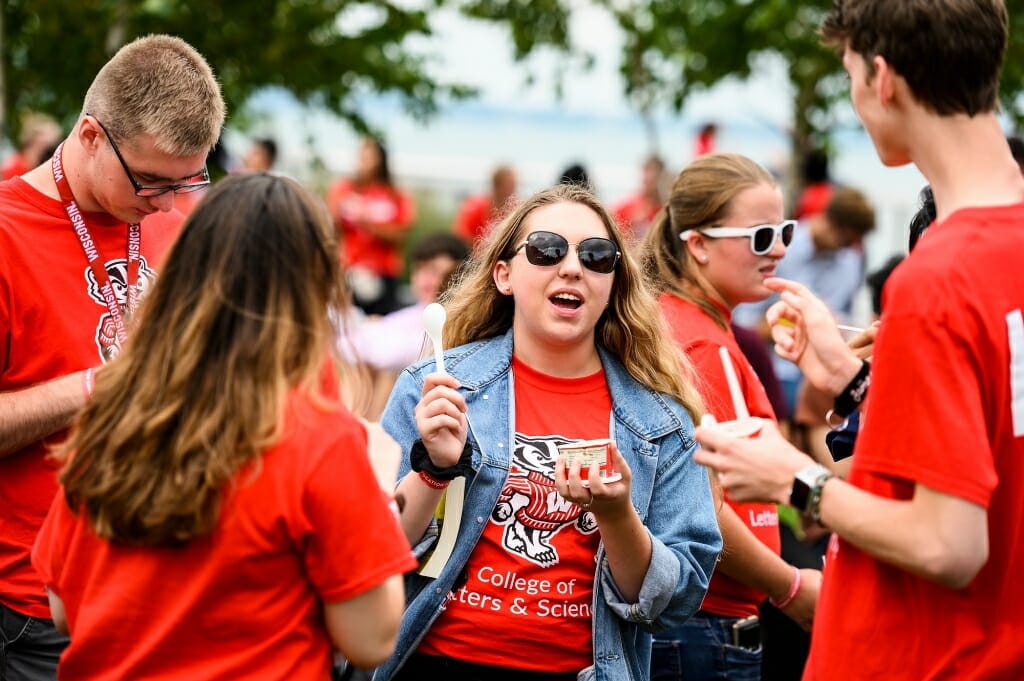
x,y
675,48
331,52
325,52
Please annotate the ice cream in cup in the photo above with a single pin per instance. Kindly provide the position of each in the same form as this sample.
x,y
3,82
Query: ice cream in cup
x,y
746,426
588,452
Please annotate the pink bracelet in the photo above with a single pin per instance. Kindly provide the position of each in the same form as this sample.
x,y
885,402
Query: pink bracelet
x,y
794,589
87,381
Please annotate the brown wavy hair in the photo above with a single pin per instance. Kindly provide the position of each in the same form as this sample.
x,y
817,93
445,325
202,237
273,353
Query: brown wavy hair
x,y
631,328
244,311
700,197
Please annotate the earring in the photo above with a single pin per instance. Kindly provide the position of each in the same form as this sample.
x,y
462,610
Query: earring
x,y
703,259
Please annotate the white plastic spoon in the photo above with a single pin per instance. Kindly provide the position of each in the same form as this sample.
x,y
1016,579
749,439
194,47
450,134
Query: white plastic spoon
x,y
433,323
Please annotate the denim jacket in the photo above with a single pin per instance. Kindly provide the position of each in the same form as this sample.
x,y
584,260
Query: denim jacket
x,y
669,491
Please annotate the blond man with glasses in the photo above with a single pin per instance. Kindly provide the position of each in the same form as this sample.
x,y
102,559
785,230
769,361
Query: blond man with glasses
x,y
81,238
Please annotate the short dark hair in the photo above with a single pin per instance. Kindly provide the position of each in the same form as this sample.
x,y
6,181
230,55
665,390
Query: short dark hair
x,y
1017,149
949,52
576,174
876,281
850,210
924,216
269,147
815,166
440,243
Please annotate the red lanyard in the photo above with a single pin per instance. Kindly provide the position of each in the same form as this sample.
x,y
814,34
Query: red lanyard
x,y
134,261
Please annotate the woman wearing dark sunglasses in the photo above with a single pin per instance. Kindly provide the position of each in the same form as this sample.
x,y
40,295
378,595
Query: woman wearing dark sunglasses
x,y
720,236
555,572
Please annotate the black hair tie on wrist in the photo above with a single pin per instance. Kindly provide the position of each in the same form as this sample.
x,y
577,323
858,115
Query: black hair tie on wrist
x,y
847,401
420,461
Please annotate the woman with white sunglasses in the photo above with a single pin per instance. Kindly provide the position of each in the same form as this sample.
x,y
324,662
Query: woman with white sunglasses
x,y
557,573
720,236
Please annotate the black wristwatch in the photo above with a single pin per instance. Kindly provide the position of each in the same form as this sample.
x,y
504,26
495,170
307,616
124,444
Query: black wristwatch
x,y
807,484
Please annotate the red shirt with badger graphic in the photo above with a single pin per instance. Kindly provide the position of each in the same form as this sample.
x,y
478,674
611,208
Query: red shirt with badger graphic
x,y
531,576
53,322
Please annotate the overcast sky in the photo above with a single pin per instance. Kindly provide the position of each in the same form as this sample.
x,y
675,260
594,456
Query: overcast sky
x,y
480,54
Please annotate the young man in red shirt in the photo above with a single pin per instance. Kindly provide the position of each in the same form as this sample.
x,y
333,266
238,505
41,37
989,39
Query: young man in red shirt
x,y
637,211
922,580
81,238
480,212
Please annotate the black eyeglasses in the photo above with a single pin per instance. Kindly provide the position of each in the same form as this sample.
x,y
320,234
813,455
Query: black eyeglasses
x,y
189,185
762,237
545,249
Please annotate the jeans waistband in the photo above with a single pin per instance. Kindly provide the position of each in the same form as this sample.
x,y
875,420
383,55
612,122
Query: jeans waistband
x,y
420,666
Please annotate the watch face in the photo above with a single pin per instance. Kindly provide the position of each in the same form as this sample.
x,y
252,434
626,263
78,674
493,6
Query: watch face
x,y
803,482
800,495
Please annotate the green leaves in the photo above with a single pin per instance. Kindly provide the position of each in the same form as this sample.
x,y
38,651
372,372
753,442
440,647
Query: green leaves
x,y
333,53
325,52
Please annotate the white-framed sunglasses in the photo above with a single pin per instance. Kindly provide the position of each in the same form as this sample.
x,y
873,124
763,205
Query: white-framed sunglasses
x,y
762,237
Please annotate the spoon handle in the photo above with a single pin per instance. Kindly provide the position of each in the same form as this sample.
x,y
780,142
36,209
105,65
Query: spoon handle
x,y
438,357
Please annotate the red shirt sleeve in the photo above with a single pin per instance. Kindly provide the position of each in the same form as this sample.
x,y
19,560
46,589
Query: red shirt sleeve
x,y
925,410
355,542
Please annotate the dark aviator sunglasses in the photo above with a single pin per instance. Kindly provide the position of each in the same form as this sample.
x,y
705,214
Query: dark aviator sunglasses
x,y
545,249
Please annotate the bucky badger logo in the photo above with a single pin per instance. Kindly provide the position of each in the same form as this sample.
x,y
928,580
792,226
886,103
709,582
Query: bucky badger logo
x,y
106,331
530,507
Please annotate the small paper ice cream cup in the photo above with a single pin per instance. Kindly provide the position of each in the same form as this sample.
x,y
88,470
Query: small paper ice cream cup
x,y
588,452
749,426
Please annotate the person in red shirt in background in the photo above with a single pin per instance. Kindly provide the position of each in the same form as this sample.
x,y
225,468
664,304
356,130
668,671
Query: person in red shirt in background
x,y
373,218
39,135
818,187
478,213
923,573
200,522
81,241
704,143
721,235
636,212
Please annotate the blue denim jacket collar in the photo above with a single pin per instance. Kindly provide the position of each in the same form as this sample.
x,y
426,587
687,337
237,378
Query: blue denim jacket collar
x,y
647,414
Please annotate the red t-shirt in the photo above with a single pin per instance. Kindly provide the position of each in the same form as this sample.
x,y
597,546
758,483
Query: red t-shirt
x,y
635,215
476,215
814,199
531,576
377,204
53,322
307,525
14,166
700,338
946,411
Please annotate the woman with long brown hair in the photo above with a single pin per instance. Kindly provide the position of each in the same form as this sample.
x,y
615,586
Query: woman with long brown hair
x,y
719,237
220,517
557,573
